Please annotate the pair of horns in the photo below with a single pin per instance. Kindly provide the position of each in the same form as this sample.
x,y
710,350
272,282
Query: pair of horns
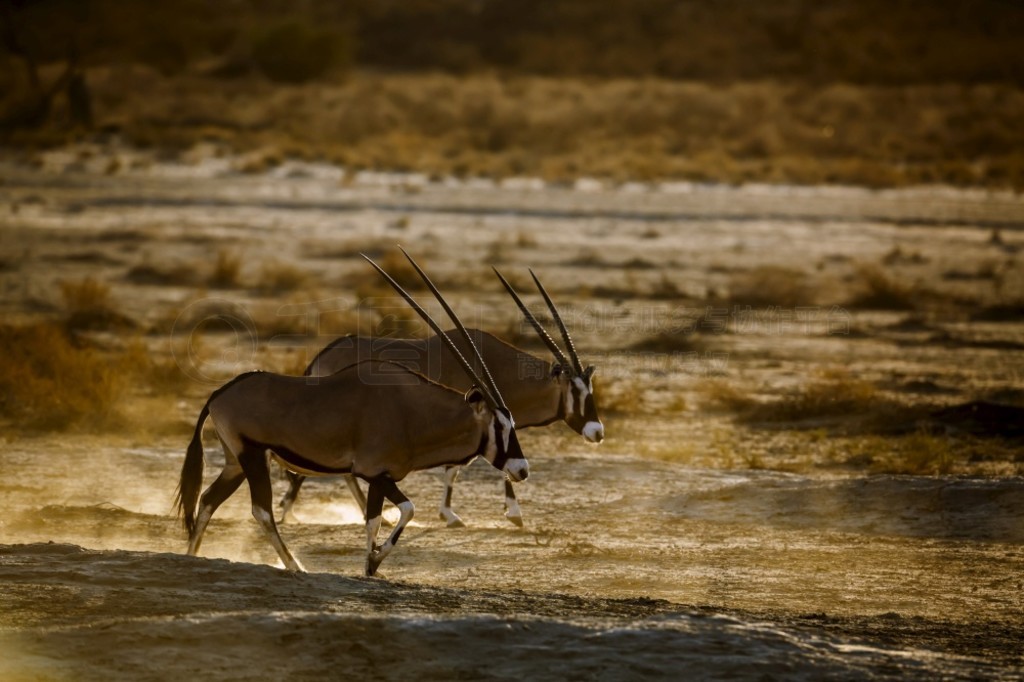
x,y
489,389
576,365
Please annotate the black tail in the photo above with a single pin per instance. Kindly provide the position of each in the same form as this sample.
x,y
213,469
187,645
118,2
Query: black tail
x,y
187,495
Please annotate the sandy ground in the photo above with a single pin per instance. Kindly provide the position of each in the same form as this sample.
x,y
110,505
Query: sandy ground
x,y
626,567
631,564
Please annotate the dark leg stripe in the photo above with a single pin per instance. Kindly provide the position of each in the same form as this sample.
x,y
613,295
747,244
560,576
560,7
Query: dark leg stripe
x,y
375,499
448,496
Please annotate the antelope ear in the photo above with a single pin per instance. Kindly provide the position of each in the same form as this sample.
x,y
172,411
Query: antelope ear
x,y
476,400
589,372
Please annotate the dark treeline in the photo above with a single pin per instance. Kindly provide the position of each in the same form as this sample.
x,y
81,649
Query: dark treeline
x,y
817,41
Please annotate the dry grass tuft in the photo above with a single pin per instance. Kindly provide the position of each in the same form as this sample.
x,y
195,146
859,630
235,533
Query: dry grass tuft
x,y
369,284
875,290
89,307
47,382
621,396
770,285
151,275
918,454
721,395
50,382
672,341
226,271
276,278
835,396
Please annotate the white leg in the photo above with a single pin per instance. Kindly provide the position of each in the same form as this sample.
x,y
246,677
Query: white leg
x,y
266,520
512,511
254,463
380,488
357,492
451,474
372,528
225,484
407,510
202,519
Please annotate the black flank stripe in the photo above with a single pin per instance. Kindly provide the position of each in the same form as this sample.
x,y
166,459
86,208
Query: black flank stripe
x,y
292,457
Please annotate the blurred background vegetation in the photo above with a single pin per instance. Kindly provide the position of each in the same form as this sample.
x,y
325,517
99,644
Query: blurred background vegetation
x,y
856,91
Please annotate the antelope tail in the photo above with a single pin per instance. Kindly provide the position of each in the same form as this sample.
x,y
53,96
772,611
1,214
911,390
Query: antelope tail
x,y
187,495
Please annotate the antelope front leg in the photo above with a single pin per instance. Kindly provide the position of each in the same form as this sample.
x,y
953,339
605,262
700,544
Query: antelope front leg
x,y
451,474
512,511
380,488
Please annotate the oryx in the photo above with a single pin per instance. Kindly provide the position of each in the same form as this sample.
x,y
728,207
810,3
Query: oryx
x,y
538,392
377,420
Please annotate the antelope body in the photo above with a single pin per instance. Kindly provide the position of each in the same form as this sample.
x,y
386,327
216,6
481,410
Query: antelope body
x,y
538,392
376,420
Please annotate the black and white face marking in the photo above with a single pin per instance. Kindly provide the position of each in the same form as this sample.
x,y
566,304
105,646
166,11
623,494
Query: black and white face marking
x,y
580,407
502,449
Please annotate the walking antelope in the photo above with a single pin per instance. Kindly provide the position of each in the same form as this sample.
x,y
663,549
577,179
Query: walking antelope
x,y
538,392
376,420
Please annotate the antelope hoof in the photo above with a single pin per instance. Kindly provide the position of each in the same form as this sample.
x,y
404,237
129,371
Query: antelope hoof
x,y
516,520
451,518
373,561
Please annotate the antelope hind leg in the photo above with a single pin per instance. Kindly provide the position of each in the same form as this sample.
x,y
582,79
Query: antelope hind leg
x,y
221,489
295,482
447,514
254,464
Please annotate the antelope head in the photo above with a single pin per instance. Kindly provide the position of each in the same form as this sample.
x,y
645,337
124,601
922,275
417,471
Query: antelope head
x,y
578,405
500,444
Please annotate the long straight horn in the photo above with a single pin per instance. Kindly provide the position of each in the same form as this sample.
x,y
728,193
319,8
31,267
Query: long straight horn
x,y
561,326
458,323
468,368
541,332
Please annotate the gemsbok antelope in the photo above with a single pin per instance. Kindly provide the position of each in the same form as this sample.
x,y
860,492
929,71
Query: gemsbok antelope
x,y
538,392
376,420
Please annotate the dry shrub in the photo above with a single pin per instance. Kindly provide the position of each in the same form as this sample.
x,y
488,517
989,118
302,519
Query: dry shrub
x,y
226,271
526,239
272,321
260,161
88,306
401,322
835,395
665,289
672,341
308,315
875,290
146,274
276,277
1011,311
296,52
720,395
770,285
395,264
918,453
49,383
620,395
149,372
